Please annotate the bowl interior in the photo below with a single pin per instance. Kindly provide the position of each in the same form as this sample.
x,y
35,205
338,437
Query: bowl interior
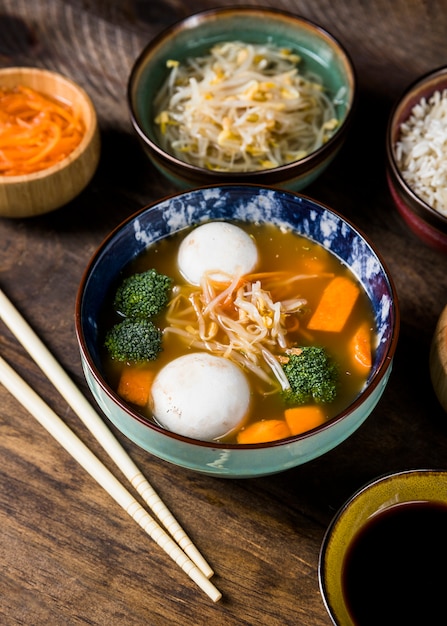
x,y
380,494
195,36
246,203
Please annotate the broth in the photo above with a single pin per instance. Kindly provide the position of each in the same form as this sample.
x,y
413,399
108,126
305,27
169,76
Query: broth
x,y
279,250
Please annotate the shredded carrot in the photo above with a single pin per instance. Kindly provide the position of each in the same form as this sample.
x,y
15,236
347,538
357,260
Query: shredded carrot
x,y
303,418
335,306
227,304
361,347
36,131
135,384
264,431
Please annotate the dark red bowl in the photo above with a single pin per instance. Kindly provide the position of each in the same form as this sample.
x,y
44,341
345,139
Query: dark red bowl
x,y
423,220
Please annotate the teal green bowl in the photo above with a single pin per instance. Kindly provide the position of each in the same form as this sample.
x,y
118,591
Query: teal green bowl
x,y
248,203
320,52
408,486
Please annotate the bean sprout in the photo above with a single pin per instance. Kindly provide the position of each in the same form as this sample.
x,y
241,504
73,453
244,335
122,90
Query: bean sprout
x,y
243,107
239,320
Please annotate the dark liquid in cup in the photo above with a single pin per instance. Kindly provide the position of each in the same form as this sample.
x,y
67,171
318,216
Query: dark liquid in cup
x,y
394,569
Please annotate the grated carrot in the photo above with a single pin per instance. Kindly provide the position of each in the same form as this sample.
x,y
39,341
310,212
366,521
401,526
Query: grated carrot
x,y
335,306
36,131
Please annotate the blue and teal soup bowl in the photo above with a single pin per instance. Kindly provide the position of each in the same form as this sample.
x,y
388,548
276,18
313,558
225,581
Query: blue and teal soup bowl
x,y
247,206
231,95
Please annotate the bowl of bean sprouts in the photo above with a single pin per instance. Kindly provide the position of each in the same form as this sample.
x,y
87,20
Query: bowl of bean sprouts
x,y
253,95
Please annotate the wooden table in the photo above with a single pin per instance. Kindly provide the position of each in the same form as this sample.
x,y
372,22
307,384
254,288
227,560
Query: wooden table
x,y
68,553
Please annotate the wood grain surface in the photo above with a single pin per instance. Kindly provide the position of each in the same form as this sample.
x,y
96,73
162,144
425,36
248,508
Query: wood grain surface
x,y
68,554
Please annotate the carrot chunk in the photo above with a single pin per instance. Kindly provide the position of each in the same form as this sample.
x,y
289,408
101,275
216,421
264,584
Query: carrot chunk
x,y
303,418
264,431
135,384
335,305
361,347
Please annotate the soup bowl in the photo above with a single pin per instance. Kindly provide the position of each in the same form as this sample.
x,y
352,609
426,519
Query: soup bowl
x,y
245,204
402,515
319,52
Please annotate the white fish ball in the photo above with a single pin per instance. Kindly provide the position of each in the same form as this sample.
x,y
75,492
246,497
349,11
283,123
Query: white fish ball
x,y
220,248
200,395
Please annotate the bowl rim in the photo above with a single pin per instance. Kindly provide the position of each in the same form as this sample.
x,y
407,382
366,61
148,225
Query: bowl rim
x,y
195,19
384,366
90,130
418,205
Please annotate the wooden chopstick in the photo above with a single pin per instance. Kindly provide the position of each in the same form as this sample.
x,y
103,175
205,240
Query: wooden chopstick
x,y
63,383
66,387
60,431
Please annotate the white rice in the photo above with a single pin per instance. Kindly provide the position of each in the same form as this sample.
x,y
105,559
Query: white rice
x,y
421,150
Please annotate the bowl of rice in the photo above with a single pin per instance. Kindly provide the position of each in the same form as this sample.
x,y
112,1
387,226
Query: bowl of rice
x,y
249,95
416,146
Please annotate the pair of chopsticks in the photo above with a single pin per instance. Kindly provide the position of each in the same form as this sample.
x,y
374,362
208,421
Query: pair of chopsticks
x,y
176,544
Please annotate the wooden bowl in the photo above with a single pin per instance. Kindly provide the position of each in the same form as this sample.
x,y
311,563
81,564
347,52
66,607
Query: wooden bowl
x,y
438,359
43,191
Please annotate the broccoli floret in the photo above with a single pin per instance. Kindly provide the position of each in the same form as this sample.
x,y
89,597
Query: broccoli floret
x,y
312,376
134,340
143,295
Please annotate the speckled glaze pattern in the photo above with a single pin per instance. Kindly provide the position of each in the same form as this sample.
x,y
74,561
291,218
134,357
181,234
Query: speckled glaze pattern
x,y
381,493
320,54
252,204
